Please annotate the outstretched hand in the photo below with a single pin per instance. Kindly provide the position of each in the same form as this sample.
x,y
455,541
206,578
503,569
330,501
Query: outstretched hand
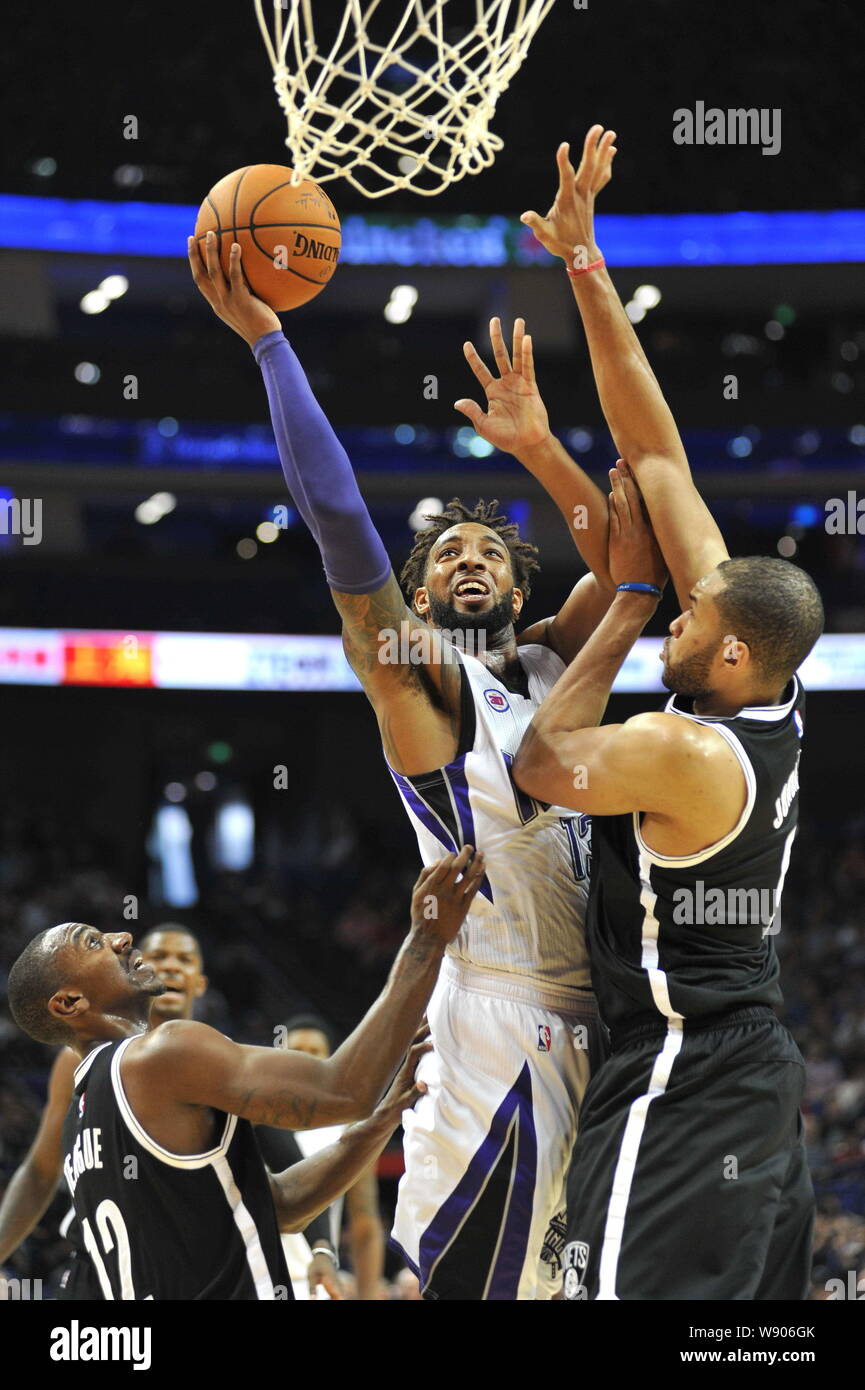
x,y
230,299
444,891
406,1090
568,230
515,418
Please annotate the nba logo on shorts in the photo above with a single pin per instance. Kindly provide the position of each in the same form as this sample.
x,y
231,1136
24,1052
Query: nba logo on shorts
x,y
575,1260
545,1037
496,700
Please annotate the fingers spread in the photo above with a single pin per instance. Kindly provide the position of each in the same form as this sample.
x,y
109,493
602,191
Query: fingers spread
x,y
500,352
528,359
590,145
477,364
534,221
472,410
517,350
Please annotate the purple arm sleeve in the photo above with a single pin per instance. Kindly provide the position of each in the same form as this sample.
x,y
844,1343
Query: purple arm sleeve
x,y
319,474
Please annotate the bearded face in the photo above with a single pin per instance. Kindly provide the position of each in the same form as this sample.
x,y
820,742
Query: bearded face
x,y
689,675
492,621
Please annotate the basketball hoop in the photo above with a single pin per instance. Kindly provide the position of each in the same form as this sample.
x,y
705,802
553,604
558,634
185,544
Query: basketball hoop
x,y
392,101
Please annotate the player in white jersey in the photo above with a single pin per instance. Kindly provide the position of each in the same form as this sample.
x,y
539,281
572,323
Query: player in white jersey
x,y
513,1017
513,1021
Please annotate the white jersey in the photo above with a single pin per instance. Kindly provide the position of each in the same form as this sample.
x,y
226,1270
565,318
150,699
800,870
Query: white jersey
x,y
528,916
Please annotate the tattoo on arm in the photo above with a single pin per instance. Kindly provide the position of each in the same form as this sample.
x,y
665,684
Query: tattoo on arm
x,y
283,1110
365,618
375,624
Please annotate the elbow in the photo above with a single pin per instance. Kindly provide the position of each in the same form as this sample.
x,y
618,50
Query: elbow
x,y
539,764
528,769
292,1226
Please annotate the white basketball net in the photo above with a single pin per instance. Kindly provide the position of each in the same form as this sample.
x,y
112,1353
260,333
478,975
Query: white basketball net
x,y
392,94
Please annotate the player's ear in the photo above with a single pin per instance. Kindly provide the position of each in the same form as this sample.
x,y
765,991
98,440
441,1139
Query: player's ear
x,y
736,653
66,1004
519,600
421,601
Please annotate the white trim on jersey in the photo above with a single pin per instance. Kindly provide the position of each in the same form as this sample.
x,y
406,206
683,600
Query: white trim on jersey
x,y
686,860
626,1165
147,1142
649,959
83,1067
247,1228
768,714
779,887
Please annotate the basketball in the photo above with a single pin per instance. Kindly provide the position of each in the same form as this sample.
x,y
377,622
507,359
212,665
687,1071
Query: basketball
x,y
289,233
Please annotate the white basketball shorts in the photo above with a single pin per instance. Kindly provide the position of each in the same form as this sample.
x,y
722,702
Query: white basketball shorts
x,y
480,1210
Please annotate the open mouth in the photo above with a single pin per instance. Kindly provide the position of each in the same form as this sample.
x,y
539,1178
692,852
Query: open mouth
x,y
137,965
471,591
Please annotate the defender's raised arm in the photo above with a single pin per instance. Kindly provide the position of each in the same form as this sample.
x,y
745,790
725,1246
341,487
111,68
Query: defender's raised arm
x,y
632,401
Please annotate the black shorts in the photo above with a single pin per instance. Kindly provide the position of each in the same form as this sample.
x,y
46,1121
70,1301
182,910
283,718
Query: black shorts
x,y
689,1178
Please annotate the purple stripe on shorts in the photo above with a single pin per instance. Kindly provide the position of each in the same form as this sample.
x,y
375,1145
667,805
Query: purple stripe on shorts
x,y
516,1106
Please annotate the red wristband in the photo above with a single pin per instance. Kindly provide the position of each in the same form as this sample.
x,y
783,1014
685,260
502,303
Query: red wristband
x,y
595,265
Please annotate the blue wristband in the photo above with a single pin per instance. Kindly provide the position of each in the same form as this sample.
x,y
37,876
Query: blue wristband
x,y
640,589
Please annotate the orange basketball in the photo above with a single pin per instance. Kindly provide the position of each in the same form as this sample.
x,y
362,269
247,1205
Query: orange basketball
x,y
289,233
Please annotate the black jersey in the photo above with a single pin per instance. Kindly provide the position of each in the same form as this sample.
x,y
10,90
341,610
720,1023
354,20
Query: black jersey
x,y
78,1282
685,938
161,1225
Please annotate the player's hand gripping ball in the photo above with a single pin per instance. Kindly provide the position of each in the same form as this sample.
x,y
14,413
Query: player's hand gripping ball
x,y
289,233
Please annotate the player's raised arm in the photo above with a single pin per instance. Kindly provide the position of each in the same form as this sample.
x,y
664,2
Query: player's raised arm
x,y
34,1182
192,1064
563,756
307,1188
321,481
516,421
638,416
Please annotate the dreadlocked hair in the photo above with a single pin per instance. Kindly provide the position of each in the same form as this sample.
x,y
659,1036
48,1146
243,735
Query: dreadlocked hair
x,y
524,561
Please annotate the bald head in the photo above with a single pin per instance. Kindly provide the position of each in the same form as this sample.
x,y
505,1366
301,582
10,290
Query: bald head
x,y
74,984
33,979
